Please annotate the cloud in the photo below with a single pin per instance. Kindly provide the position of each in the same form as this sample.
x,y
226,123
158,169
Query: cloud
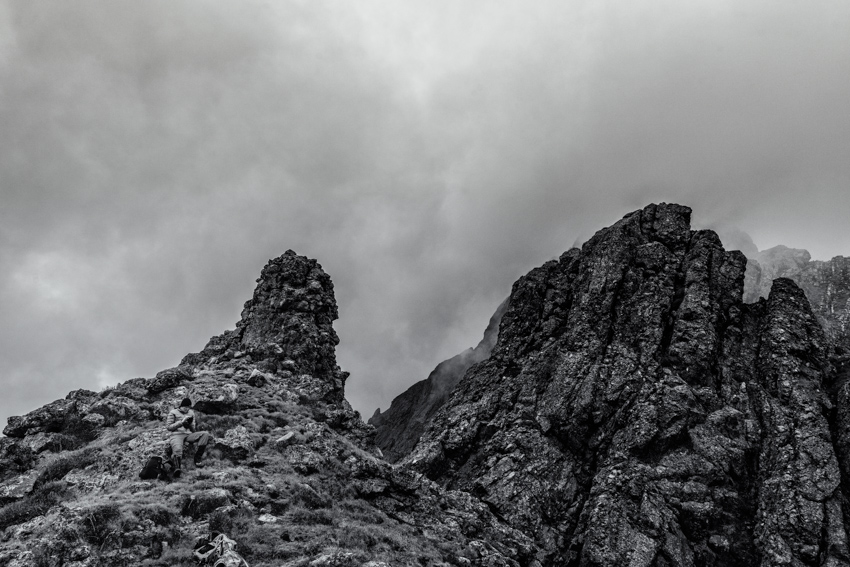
x,y
155,154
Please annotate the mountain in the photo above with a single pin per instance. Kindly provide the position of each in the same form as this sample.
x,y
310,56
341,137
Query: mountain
x,y
636,411
293,474
633,410
398,429
825,283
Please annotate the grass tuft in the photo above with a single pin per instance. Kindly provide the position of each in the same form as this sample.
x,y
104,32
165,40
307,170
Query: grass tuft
x,y
63,464
39,501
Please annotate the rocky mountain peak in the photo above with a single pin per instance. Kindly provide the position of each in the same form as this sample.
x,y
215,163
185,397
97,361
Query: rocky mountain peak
x,y
826,284
292,473
286,326
635,411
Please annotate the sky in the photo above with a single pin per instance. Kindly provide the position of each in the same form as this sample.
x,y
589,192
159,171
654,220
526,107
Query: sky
x,y
155,155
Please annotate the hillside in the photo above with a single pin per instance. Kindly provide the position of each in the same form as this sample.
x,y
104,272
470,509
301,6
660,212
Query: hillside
x,y
292,475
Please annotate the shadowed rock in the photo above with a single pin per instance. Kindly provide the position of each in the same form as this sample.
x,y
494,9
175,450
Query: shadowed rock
x,y
636,412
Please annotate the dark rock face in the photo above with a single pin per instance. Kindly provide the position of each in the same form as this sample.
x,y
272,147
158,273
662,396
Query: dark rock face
x,y
635,411
398,428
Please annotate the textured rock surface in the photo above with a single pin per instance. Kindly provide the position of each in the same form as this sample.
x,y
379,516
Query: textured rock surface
x,y
636,412
286,327
398,429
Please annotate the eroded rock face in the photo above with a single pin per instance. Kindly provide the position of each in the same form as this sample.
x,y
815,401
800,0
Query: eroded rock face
x,y
398,429
636,412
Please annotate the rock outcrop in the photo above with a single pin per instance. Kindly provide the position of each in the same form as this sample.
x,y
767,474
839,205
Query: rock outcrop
x,y
293,474
635,411
398,429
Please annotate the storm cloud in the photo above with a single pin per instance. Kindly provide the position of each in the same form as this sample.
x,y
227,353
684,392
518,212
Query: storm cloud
x,y
154,155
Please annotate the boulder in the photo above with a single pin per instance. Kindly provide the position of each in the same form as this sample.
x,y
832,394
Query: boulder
x,y
115,409
285,440
214,397
303,459
48,418
16,457
202,503
236,445
17,487
169,378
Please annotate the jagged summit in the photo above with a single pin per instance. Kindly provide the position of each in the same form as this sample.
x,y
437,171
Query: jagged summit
x,y
292,473
286,329
633,410
826,284
286,325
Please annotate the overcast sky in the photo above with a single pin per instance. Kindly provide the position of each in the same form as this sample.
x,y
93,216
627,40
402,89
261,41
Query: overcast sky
x,y
154,155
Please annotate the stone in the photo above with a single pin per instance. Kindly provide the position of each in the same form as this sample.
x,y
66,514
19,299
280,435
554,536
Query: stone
x,y
304,460
258,379
113,409
629,377
16,457
236,444
285,440
288,325
90,481
170,378
201,503
17,487
210,396
48,418
825,283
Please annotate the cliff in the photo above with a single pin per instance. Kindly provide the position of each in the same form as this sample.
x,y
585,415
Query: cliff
x,y
635,411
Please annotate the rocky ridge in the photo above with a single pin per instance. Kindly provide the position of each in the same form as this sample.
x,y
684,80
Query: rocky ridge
x,y
825,283
635,411
293,474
